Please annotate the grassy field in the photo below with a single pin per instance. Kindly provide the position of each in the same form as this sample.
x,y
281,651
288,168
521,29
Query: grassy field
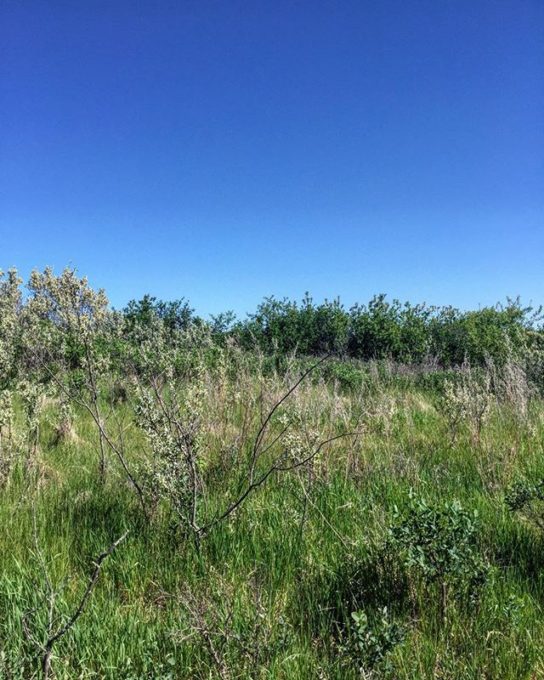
x,y
270,590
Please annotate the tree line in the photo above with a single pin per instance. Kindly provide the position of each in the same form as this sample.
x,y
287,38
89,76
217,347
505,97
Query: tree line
x,y
380,329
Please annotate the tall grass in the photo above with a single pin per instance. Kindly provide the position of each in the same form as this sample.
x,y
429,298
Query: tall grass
x,y
269,591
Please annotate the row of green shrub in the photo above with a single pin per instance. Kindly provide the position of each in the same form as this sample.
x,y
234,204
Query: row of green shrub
x,y
378,330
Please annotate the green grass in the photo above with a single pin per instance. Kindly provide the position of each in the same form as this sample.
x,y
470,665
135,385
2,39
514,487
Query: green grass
x,y
276,583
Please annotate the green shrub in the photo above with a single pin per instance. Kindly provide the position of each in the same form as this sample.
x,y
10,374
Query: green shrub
x,y
370,639
348,376
439,543
528,500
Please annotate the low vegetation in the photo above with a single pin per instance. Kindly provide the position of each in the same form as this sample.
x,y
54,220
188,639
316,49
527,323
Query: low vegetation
x,y
307,493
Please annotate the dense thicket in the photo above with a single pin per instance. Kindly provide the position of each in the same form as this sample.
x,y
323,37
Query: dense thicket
x,y
381,329
393,330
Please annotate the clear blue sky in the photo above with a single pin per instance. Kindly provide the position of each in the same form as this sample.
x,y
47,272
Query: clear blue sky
x,y
225,151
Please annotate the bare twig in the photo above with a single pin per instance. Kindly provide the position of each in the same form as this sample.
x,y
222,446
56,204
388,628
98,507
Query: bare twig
x,y
53,638
262,430
275,467
46,649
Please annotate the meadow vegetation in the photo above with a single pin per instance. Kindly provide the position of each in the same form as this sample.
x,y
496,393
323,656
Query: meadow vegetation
x,y
311,492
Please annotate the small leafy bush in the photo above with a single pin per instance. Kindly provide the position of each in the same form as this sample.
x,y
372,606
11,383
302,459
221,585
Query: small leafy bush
x,y
370,639
348,376
527,499
440,544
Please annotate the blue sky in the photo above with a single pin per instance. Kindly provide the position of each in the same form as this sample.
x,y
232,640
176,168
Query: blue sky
x,y
224,151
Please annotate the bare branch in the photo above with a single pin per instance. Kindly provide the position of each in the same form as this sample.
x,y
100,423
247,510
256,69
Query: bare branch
x,y
52,639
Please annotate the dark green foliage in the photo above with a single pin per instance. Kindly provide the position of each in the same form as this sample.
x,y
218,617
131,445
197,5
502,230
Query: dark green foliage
x,y
370,639
350,376
439,542
285,326
528,500
222,325
176,315
381,329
